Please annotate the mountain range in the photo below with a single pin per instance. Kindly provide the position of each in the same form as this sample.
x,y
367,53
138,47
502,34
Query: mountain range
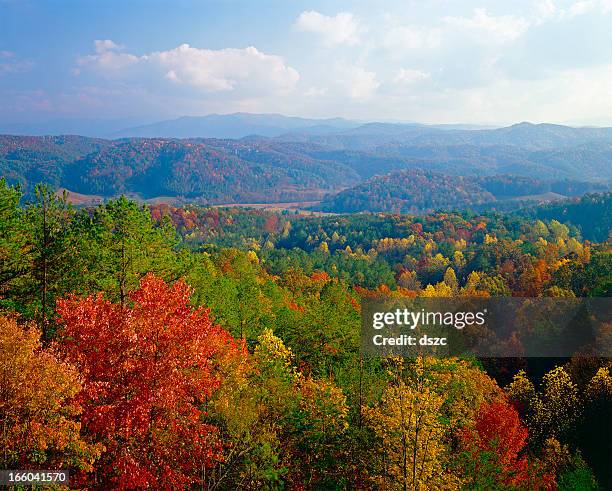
x,y
274,158
236,125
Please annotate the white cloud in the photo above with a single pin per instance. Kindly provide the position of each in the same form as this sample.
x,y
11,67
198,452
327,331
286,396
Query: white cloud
x,y
225,70
102,45
504,28
108,58
571,96
342,28
587,6
359,83
412,38
408,76
547,10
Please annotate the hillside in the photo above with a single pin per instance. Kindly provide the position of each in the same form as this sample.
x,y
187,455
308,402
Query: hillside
x,y
588,161
216,171
28,160
208,171
305,167
408,191
591,214
419,191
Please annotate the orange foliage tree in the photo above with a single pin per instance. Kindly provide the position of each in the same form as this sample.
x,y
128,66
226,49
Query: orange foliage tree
x,y
148,368
39,419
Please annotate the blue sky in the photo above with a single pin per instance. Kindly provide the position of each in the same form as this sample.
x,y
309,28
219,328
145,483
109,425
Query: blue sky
x,y
436,61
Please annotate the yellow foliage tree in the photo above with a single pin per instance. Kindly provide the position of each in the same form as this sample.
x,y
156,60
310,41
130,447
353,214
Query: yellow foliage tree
x,y
426,403
412,439
40,423
438,290
551,411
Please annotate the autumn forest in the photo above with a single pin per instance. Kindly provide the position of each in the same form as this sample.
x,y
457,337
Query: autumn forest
x,y
306,245
169,347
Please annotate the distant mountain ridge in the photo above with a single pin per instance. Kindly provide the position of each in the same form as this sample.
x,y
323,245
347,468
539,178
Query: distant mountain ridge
x,y
374,136
237,125
306,163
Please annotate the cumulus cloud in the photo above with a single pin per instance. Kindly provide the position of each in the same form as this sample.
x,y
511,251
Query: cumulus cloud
x,y
102,45
206,70
224,70
504,28
108,58
342,28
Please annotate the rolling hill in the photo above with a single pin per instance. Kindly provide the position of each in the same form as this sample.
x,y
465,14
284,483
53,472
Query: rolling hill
x,y
418,191
316,159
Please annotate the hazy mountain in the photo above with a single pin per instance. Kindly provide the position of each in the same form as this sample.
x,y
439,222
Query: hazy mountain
x,y
236,125
100,128
380,136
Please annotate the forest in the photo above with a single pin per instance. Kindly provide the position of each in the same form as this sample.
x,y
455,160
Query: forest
x,y
185,347
348,172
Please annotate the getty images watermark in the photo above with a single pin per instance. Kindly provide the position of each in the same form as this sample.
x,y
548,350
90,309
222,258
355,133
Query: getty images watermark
x,y
487,327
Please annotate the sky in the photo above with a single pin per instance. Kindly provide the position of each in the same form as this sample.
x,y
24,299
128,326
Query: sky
x,y
431,61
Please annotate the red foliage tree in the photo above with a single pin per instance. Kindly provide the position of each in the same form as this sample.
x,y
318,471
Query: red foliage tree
x,y
499,429
495,447
147,368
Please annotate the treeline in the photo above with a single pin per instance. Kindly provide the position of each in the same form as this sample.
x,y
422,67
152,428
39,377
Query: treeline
x,y
142,357
591,213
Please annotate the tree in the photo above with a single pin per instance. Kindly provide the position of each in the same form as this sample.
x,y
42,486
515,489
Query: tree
x,y
408,279
318,426
323,247
38,415
13,241
289,430
123,244
262,386
595,431
409,425
148,367
551,412
53,253
493,448
558,230
450,278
